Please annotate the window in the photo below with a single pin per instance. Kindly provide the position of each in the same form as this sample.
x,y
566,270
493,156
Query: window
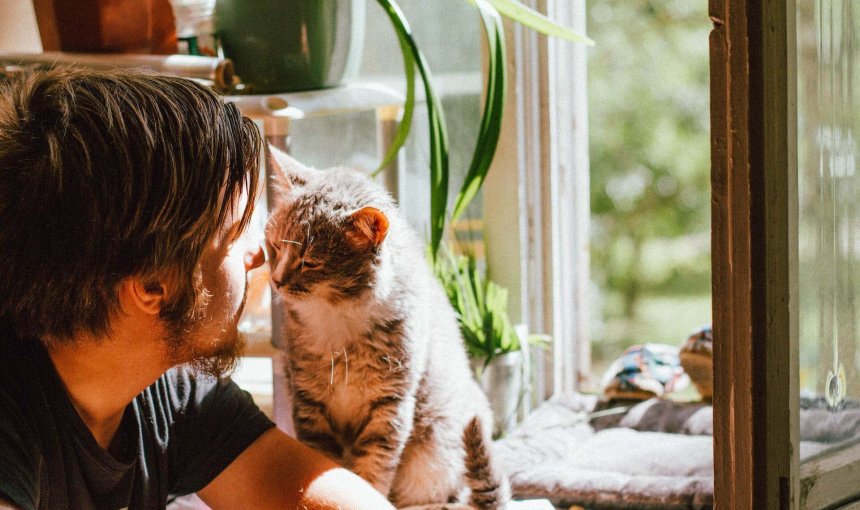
x,y
828,264
634,122
785,232
650,166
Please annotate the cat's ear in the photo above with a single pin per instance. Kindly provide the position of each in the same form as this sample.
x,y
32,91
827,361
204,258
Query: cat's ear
x,y
368,228
286,172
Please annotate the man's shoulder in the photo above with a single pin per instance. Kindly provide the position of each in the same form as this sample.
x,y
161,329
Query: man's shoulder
x,y
180,383
182,393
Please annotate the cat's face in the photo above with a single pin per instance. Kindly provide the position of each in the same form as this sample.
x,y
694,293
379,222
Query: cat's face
x,y
324,239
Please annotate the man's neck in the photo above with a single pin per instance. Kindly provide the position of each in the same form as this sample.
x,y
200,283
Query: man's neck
x,y
103,375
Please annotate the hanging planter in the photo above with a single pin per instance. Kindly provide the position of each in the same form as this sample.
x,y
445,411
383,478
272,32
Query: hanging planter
x,y
291,45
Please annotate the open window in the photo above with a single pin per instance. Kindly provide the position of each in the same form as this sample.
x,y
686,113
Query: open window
x,y
785,275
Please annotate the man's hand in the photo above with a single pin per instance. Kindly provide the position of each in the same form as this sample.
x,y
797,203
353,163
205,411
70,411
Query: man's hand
x,y
278,472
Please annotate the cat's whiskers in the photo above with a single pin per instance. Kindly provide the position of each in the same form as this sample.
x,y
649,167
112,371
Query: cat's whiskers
x,y
308,230
392,363
346,367
310,246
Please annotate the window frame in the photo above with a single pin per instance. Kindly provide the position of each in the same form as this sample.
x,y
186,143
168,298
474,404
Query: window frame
x,y
754,254
540,248
754,242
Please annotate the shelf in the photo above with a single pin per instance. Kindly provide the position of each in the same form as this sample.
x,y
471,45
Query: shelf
x,y
353,97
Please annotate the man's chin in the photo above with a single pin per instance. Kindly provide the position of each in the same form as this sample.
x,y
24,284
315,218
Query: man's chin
x,y
215,358
224,359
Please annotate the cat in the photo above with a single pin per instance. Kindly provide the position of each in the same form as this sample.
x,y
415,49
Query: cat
x,y
375,363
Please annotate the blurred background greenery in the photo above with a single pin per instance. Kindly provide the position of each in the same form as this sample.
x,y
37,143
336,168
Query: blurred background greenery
x,y
650,167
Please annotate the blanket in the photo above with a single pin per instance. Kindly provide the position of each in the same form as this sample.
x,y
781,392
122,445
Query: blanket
x,y
656,454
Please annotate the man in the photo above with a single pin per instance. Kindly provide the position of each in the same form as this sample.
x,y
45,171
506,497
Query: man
x,y
123,198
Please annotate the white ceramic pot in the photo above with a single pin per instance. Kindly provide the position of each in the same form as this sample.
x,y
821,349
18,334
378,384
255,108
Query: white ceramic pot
x,y
502,382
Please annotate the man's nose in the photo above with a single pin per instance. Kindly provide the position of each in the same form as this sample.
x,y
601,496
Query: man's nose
x,y
254,258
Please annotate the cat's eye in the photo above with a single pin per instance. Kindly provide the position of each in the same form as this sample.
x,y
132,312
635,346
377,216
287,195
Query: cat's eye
x,y
310,264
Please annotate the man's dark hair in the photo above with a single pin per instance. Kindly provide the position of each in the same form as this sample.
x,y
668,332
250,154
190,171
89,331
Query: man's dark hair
x,y
106,175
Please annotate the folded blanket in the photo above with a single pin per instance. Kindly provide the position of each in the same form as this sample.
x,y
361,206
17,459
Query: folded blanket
x,y
558,455
657,454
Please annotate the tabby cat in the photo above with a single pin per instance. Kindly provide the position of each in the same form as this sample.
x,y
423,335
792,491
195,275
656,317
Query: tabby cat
x,y
375,363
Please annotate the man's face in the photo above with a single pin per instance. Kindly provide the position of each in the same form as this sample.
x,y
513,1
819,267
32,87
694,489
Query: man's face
x,y
211,341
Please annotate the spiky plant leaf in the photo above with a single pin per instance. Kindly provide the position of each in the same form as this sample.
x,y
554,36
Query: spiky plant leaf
x,y
438,133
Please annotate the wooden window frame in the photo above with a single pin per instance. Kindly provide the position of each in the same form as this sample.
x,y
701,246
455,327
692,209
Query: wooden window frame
x,y
754,254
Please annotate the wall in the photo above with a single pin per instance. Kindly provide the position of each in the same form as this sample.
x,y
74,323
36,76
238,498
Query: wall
x,y
18,29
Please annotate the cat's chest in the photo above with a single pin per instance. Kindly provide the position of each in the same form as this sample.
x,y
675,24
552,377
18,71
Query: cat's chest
x,y
346,383
320,326
346,406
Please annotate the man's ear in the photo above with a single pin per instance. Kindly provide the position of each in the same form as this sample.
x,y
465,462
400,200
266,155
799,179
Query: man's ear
x,y
148,296
368,228
285,172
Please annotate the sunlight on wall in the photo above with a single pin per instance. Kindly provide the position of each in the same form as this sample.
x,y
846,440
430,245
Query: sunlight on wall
x,y
18,29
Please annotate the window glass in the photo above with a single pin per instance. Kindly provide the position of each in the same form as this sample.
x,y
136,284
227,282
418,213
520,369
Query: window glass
x,y
829,224
650,165
438,27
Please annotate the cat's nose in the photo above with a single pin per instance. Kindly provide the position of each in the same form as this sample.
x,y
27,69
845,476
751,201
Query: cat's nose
x,y
279,278
280,273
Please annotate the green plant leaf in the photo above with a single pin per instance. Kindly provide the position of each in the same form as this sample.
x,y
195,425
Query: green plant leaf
x,y
494,105
481,306
520,13
438,132
408,106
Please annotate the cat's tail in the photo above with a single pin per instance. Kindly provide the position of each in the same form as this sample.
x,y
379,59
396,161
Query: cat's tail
x,y
490,489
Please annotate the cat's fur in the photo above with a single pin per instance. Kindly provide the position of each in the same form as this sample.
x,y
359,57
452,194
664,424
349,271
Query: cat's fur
x,y
376,366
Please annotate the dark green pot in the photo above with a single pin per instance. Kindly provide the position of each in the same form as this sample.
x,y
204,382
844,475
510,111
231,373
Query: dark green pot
x,y
291,45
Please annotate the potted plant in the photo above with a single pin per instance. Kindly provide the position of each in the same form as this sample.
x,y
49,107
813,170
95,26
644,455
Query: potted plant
x,y
498,352
288,46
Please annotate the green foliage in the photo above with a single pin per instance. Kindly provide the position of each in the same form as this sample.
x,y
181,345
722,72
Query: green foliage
x,y
481,306
494,105
520,13
438,132
650,151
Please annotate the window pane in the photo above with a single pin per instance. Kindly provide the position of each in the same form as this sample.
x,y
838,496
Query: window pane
x,y
650,167
829,223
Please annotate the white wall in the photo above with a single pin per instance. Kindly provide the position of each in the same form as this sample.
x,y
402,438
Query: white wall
x,y
18,29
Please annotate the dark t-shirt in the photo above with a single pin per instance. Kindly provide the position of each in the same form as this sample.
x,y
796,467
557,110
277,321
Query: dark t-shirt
x,y
175,437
